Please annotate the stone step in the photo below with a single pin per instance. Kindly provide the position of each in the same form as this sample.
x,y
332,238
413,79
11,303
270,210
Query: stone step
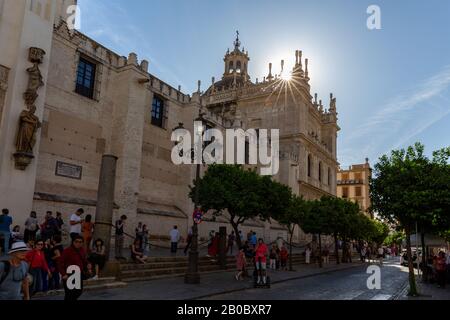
x,y
161,265
88,285
157,272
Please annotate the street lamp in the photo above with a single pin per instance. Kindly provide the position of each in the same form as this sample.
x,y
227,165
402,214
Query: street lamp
x,y
192,275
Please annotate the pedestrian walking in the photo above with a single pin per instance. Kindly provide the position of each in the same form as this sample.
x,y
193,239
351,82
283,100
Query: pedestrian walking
x,y
120,237
326,255
14,274
73,256
308,255
5,229
231,240
174,239
273,257
75,223
31,227
284,256
380,255
241,264
261,253
213,249
38,267
188,241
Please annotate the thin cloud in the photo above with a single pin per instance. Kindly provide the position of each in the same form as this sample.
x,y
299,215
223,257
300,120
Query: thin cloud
x,y
401,119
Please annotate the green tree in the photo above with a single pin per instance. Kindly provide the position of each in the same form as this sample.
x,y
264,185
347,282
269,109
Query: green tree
x,y
397,194
233,190
291,218
314,220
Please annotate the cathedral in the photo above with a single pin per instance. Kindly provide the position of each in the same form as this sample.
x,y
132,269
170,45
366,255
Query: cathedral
x,y
66,100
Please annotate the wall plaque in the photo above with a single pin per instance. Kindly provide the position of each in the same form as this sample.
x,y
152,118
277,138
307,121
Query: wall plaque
x,y
68,170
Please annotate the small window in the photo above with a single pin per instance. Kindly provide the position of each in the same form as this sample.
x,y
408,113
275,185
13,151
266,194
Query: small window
x,y
309,165
238,67
320,171
86,78
358,176
345,193
157,112
329,176
231,67
358,192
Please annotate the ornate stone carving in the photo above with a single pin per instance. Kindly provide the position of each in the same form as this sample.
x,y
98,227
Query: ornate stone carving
x,y
3,87
28,122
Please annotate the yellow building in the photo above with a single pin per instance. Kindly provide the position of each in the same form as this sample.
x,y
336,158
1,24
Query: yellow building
x,y
353,184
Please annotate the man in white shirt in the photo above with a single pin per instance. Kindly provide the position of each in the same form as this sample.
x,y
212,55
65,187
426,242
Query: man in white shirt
x,y
174,238
75,223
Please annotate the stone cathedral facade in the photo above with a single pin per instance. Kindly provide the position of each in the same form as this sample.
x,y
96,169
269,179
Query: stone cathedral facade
x,y
94,101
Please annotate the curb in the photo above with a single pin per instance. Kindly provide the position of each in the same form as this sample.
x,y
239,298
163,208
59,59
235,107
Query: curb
x,y
275,282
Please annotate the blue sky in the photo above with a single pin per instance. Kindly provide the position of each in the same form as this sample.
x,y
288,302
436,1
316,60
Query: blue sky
x,y
392,85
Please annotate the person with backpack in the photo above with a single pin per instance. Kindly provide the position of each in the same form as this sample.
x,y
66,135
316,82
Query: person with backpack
x,y
5,229
14,274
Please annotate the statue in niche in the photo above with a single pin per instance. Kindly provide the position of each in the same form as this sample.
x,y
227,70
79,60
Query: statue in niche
x,y
28,122
28,125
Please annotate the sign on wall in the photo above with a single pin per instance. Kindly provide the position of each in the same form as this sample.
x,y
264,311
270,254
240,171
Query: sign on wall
x,y
68,170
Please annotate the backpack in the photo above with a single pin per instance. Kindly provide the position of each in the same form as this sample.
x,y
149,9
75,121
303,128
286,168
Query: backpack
x,y
6,270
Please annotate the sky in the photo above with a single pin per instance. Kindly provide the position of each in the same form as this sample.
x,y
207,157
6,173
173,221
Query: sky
x,y
392,85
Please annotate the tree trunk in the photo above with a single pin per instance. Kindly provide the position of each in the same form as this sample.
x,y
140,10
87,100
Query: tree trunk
x,y
236,231
424,258
336,248
320,250
290,250
412,279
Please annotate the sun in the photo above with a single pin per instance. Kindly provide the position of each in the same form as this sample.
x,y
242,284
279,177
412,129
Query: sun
x,y
286,76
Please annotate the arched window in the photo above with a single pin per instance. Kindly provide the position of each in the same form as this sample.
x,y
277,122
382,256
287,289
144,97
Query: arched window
x,y
309,165
320,171
231,67
238,67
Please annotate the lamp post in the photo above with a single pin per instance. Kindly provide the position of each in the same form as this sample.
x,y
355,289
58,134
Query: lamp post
x,y
192,275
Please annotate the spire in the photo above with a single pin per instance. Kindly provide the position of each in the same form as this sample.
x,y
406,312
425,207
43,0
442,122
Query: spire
x,y
306,69
237,42
270,76
199,83
332,103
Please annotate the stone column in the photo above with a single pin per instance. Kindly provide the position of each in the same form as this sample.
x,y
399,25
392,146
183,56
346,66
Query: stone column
x,y
223,247
105,201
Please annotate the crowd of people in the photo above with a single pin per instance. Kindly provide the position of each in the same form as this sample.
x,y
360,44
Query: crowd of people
x,y
38,260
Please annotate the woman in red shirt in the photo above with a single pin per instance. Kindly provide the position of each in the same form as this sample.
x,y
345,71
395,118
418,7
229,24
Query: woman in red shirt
x,y
38,267
261,261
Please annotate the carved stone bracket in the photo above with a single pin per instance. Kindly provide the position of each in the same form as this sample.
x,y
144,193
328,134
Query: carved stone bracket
x,y
28,122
